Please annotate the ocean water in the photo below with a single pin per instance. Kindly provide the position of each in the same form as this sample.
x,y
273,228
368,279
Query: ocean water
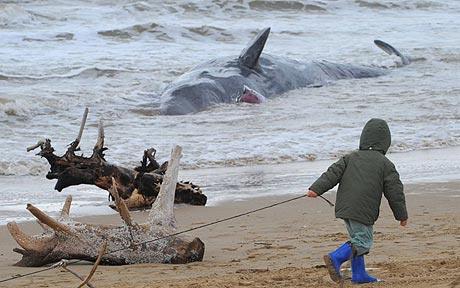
x,y
58,57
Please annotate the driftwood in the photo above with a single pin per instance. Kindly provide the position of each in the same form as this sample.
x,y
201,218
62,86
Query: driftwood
x,y
130,243
85,280
138,187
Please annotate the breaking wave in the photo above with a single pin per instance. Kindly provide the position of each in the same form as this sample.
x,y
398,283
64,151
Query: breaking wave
x,y
451,58
376,4
216,33
169,34
294,6
12,15
250,160
21,168
10,108
408,5
157,30
93,72
64,36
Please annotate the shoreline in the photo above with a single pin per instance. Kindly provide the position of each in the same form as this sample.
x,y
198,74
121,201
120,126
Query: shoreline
x,y
220,184
265,249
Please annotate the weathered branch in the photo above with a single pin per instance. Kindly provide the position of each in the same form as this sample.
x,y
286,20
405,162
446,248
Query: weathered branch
x,y
163,209
66,208
121,206
138,187
20,251
37,245
100,136
47,220
99,148
151,154
148,163
40,143
93,270
78,276
74,145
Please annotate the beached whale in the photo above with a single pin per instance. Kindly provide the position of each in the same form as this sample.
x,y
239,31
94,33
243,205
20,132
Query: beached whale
x,y
254,75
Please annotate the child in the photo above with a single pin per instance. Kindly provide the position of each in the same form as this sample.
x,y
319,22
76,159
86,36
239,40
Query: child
x,y
363,176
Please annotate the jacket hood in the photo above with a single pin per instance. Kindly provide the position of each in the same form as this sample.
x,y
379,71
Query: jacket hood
x,y
375,136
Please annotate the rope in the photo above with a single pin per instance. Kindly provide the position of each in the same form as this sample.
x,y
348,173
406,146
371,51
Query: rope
x,y
211,223
27,274
328,202
167,236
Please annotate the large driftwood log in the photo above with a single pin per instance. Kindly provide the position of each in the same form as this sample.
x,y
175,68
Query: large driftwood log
x,y
64,238
138,187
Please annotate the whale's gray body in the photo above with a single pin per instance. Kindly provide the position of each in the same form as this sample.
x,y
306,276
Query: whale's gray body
x,y
222,80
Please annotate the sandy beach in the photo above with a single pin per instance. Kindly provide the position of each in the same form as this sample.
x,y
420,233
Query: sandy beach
x,y
283,246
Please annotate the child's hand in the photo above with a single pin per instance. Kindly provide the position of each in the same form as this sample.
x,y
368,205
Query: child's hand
x,y
312,194
403,223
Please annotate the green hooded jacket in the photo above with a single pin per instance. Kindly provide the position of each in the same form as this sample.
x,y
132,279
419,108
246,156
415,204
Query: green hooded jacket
x,y
363,176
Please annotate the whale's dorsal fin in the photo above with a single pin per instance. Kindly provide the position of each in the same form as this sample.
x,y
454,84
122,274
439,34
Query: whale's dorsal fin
x,y
249,57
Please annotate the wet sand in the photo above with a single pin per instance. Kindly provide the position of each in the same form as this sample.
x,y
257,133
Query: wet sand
x,y
283,246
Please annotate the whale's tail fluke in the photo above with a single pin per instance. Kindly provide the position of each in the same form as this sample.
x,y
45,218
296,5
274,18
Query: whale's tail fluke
x,y
392,50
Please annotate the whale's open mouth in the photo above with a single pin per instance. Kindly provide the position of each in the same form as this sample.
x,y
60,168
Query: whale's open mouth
x,y
251,96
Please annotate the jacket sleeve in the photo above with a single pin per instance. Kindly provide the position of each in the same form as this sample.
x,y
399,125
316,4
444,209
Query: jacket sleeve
x,y
394,192
330,178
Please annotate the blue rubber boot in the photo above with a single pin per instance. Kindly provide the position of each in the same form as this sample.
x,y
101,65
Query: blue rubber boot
x,y
358,269
335,259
